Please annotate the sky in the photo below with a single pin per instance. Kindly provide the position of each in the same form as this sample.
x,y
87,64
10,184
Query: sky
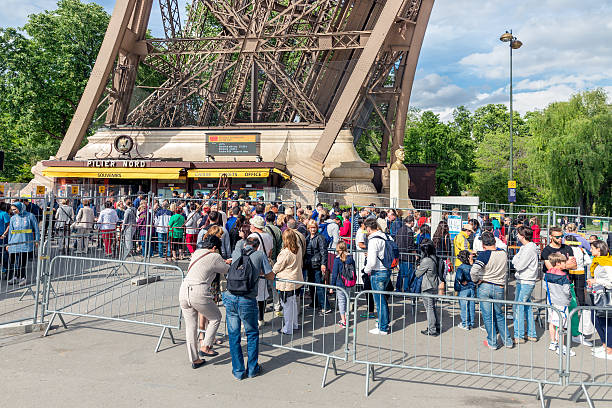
x,y
566,49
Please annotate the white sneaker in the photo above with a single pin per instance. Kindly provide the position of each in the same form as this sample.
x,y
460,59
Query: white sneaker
x,y
462,326
376,331
603,355
23,281
261,323
12,281
553,347
572,353
581,340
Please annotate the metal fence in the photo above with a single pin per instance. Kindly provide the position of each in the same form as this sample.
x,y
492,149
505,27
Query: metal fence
x,y
110,289
586,369
410,344
316,327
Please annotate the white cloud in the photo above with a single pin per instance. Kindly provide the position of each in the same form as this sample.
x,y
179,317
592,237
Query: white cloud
x,y
14,13
566,49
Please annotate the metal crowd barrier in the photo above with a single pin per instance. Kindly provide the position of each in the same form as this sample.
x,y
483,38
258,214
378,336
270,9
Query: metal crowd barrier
x,y
317,330
19,284
585,370
454,350
111,289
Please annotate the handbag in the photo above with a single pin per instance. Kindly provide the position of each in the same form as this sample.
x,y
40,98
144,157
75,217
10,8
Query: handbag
x,y
602,300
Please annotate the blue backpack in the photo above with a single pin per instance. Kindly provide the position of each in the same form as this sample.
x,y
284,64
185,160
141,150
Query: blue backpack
x,y
390,257
323,231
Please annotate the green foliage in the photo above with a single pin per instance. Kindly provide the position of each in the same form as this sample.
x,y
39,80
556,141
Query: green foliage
x,y
427,140
571,150
44,68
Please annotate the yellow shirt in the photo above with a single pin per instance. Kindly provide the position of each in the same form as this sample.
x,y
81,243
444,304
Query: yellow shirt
x,y
460,243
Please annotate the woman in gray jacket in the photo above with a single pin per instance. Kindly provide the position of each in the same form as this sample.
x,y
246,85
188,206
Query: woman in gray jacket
x,y
428,269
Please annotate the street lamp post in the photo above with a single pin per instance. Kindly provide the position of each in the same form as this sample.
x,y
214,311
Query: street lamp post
x,y
514,44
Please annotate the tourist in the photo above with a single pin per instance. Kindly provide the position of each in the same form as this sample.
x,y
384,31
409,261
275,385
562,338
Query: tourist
x,y
195,298
423,234
461,241
128,227
394,223
490,271
465,288
343,262
428,269
176,232
162,220
64,216
314,265
571,234
84,223
214,218
526,264
243,308
382,222
535,227
499,244
191,226
257,226
107,221
405,243
442,240
558,296
142,228
601,279
289,266
23,233
379,275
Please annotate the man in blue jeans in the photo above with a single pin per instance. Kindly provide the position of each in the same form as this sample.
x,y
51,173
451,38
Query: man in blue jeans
x,y
489,271
243,309
526,264
379,275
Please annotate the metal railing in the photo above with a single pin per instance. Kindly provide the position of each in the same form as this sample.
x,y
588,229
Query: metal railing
x,y
590,369
317,329
112,289
455,349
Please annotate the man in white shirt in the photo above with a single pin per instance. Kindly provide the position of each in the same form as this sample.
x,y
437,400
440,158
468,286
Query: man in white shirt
x,y
379,275
478,240
266,243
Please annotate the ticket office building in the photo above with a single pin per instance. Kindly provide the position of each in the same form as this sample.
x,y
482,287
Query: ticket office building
x,y
128,177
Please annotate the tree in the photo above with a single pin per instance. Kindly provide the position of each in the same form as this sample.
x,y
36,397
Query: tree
x,y
571,151
44,68
430,141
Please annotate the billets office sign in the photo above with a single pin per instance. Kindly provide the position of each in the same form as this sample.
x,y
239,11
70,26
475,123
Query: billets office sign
x,y
129,164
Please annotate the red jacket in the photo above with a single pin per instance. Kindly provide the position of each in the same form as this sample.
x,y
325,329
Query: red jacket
x,y
536,233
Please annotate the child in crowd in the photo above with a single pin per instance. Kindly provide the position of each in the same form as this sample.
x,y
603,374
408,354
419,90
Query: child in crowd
x,y
465,288
558,296
343,262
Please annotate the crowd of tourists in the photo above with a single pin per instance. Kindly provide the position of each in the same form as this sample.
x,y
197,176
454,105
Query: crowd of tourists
x,y
268,250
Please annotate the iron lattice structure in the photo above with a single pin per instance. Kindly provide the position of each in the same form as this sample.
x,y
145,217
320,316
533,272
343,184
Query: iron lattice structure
x,y
257,63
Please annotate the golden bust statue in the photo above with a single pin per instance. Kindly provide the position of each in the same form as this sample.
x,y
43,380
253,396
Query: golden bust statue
x,y
399,159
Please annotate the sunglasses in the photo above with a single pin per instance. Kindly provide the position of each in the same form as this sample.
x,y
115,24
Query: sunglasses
x,y
557,236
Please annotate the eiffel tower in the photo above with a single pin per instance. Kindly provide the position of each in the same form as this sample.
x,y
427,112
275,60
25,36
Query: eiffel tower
x,y
312,67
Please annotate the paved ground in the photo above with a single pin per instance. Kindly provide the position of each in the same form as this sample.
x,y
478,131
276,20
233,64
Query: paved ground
x,y
111,364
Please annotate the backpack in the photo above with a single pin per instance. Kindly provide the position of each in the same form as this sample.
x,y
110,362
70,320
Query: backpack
x,y
239,281
323,232
348,275
390,257
277,239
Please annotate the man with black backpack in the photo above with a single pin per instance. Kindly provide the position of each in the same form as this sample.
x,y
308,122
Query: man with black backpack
x,y
248,265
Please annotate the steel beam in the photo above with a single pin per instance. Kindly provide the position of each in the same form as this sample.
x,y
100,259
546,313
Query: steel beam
x,y
356,80
98,79
408,75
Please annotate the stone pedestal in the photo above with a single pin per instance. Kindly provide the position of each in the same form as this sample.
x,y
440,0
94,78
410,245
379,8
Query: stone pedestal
x,y
399,183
